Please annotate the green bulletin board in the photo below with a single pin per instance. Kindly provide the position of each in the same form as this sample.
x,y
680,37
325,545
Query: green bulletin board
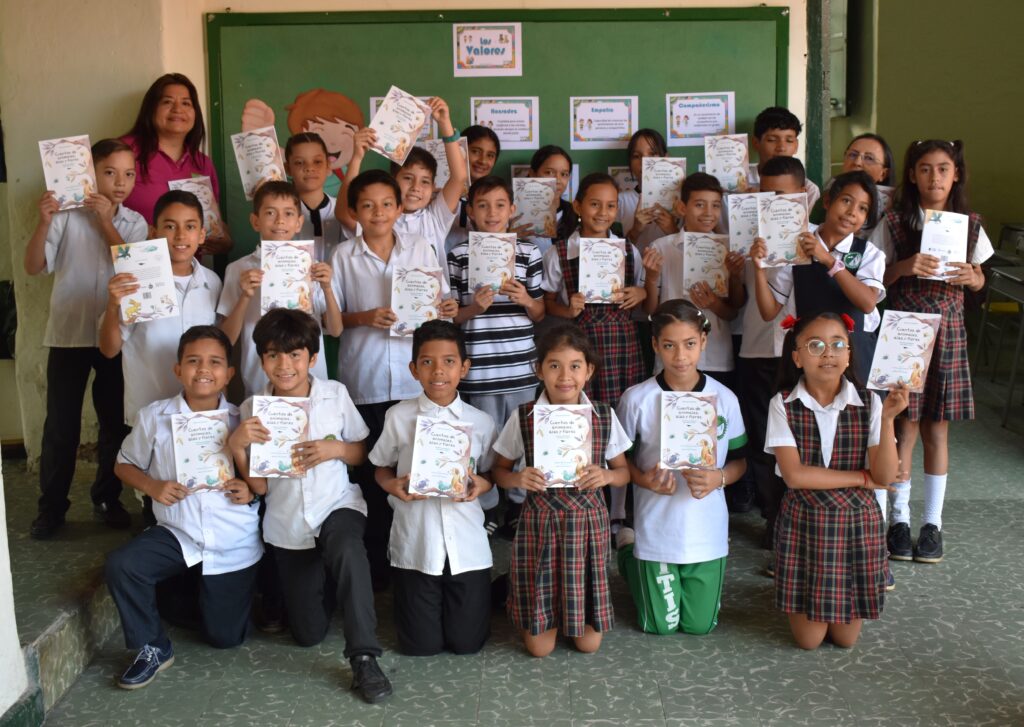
x,y
646,53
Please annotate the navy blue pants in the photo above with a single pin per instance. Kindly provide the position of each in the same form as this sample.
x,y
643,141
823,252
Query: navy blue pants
x,y
434,613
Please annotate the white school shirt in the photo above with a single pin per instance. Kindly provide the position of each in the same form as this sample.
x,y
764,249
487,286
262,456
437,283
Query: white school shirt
x,y
510,442
881,238
372,363
629,202
298,506
253,376
331,230
79,258
426,532
210,529
870,272
149,349
778,433
678,528
555,283
717,354
432,223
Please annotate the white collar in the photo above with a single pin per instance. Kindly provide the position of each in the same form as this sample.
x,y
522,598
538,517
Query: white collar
x,y
543,399
432,409
847,396
842,246
317,390
363,249
178,405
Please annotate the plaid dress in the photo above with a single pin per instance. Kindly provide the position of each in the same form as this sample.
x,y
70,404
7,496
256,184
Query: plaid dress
x,y
830,556
612,331
947,391
558,577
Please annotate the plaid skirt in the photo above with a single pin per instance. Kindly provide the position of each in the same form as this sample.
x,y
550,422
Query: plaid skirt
x,y
558,576
614,336
830,561
947,394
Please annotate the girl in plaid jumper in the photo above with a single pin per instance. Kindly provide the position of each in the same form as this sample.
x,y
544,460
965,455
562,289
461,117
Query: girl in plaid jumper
x,y
558,577
834,443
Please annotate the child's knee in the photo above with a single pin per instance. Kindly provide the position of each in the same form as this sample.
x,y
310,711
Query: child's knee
x,y
589,642
540,645
659,628
117,567
697,628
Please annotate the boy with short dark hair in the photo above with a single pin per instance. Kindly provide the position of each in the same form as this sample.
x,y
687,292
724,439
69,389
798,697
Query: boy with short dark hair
x,y
314,524
439,552
307,162
777,134
218,528
484,149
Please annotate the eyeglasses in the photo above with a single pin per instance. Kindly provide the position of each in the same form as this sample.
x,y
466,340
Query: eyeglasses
x,y
816,347
866,159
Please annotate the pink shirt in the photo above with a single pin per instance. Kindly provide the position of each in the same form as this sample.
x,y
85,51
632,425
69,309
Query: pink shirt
x,y
163,169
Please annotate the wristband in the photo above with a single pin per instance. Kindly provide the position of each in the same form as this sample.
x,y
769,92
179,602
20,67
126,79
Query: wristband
x,y
723,478
836,267
455,136
864,474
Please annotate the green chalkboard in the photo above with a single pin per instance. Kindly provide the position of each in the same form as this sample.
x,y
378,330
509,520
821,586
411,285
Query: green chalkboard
x,y
646,53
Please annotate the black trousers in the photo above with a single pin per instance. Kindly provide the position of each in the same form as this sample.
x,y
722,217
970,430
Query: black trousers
x,y
757,382
135,569
434,613
378,511
67,375
304,574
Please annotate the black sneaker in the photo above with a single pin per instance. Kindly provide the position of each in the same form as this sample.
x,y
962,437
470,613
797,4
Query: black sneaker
x,y
369,680
150,661
508,530
897,540
491,521
45,525
929,545
113,515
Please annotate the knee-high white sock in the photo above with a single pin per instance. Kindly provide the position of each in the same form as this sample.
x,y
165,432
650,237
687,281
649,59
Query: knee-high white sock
x,y
618,495
901,502
882,496
934,495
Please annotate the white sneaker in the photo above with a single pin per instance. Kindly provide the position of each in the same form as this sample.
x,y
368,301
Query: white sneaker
x,y
625,536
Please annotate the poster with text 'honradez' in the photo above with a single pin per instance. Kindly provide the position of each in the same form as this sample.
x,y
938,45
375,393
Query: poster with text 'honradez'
x,y
487,49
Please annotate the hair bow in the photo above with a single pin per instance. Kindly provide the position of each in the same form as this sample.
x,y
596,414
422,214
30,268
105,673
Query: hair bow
x,y
850,325
788,322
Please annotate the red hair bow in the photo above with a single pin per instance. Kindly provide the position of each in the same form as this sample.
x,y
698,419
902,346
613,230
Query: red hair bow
x,y
850,325
788,322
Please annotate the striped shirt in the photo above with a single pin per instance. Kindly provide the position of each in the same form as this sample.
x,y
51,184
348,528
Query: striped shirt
x,y
500,340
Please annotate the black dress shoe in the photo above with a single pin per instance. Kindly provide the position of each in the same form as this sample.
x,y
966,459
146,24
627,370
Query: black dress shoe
x,y
113,515
45,525
369,680
897,540
929,545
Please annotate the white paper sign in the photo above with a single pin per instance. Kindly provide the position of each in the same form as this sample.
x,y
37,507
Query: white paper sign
x,y
515,119
286,279
743,219
602,122
487,49
904,350
415,298
944,236
258,157
150,262
398,122
441,462
689,430
287,418
536,200
562,442
704,261
727,158
68,169
602,268
662,179
689,117
492,259
202,188
201,457
781,219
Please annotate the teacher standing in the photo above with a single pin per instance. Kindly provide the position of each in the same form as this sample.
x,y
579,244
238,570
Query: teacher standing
x,y
166,138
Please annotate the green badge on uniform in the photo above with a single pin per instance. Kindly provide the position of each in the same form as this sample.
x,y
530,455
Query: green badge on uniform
x,y
330,436
852,260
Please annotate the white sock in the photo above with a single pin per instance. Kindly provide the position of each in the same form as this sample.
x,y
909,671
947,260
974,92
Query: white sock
x,y
934,494
618,503
882,496
901,502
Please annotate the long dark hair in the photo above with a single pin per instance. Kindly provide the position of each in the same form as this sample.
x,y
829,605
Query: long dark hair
x,y
145,134
907,199
887,157
789,374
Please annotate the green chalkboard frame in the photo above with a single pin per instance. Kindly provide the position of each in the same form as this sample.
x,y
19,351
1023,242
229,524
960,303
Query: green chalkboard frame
x,y
217,23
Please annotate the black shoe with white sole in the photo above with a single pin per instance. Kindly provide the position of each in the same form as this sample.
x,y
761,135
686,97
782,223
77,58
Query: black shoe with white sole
x,y
897,540
929,545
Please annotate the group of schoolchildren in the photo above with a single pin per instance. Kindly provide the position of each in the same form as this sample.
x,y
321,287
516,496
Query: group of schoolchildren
x,y
824,450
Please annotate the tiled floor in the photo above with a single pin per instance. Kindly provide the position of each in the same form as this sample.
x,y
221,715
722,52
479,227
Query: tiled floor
x,y
949,649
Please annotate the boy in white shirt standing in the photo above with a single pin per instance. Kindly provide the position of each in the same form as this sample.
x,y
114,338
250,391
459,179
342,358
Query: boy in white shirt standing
x,y
439,549
218,528
307,162
315,523
75,247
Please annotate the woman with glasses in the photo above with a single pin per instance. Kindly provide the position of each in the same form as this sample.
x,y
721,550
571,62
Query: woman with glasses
x,y
868,153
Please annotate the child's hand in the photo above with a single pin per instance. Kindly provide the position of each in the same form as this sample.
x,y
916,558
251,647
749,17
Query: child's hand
x,y
643,217
922,265
652,261
521,230
759,250
102,207
516,292
237,492
664,220
735,263
477,486
657,480
577,303
439,110
306,455
484,298
532,479
121,285
256,114
593,476
702,482
382,318
896,401
249,282
167,492
808,246
963,274
702,296
362,140
870,484
629,298
248,432
449,308
321,273
48,207
399,487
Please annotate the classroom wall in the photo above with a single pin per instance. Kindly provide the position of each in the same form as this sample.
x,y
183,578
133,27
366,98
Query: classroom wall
x,y
13,678
861,78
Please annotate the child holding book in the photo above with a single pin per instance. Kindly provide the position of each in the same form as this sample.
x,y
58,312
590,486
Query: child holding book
x,y
835,443
777,134
484,148
552,162
314,523
934,178
372,363
643,226
439,553
558,580
674,563
75,247
216,527
307,162
423,213
276,216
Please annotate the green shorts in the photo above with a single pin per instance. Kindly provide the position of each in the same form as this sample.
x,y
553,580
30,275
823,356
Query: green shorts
x,y
671,597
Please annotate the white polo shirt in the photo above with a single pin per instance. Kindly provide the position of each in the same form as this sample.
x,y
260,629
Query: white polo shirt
x,y
372,363
426,532
778,433
298,506
79,258
149,349
678,528
210,529
555,283
249,361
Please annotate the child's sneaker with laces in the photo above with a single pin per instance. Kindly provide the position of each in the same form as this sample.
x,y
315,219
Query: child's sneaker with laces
x,y
897,541
149,662
929,545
